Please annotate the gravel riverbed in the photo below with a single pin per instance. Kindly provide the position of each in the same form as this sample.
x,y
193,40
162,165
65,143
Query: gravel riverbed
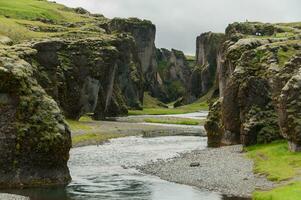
x,y
225,170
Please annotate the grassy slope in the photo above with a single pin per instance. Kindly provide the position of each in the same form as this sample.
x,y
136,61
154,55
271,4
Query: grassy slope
x,y
16,16
279,165
151,102
33,9
175,121
194,107
152,106
90,132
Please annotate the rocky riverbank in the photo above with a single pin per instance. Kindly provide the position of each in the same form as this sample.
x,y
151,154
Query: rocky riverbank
x,y
5,196
98,132
225,170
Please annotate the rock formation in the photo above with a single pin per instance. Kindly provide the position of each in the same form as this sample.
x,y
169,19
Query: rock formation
x,y
203,76
82,69
144,33
174,73
92,75
35,139
258,76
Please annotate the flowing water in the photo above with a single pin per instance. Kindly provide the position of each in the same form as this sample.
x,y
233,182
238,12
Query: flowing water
x,y
105,172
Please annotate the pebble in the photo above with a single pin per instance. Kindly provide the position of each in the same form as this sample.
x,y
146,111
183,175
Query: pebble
x,y
4,196
225,170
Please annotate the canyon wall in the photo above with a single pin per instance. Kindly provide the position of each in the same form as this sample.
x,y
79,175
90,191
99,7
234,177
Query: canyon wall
x,y
34,137
258,77
144,34
174,72
83,69
203,76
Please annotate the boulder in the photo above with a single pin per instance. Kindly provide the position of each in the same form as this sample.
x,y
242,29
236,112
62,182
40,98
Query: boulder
x,y
34,137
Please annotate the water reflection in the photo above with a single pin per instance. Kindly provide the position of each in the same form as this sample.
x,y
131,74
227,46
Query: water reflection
x,y
103,173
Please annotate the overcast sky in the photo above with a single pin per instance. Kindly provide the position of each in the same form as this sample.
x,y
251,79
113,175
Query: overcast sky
x,y
180,21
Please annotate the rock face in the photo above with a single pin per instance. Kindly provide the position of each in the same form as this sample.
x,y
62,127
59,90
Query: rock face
x,y
42,80
258,82
93,75
203,77
174,73
35,139
144,33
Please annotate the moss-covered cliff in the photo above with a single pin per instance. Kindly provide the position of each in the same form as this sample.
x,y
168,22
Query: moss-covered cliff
x,y
258,70
35,139
57,61
174,73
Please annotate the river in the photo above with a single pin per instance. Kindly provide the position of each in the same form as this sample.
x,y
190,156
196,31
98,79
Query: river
x,y
105,172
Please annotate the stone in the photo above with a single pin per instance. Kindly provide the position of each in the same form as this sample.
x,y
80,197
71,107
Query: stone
x,y
258,80
4,196
34,137
174,71
204,73
195,164
5,40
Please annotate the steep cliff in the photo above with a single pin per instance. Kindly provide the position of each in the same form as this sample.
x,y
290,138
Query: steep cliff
x,y
203,76
144,33
67,64
174,73
93,75
35,139
258,77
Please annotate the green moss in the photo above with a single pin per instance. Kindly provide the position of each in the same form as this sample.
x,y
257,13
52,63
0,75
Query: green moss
x,y
275,160
78,125
175,121
151,102
95,137
285,55
167,111
288,192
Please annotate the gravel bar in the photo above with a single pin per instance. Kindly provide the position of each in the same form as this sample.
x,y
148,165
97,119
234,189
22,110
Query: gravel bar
x,y
4,196
225,170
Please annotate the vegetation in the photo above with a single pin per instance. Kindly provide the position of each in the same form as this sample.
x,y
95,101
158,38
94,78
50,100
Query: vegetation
x,y
278,164
97,138
151,102
77,125
175,121
194,107
288,192
27,19
34,9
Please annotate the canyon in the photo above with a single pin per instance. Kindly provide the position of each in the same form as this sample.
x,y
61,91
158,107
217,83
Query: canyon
x,y
75,64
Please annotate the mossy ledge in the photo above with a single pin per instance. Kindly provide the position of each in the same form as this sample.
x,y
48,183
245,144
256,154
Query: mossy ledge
x,y
258,75
58,62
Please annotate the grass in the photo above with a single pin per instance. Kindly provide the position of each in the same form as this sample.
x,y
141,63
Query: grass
x,y
278,164
33,9
175,121
95,137
78,125
151,102
17,15
288,192
275,161
285,56
194,107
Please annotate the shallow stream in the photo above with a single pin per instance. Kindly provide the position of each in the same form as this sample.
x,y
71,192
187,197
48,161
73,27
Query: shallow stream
x,y
105,172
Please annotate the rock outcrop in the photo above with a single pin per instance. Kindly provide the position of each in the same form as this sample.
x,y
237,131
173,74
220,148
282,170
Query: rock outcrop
x,y
258,75
82,69
35,139
93,75
203,76
174,73
144,33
